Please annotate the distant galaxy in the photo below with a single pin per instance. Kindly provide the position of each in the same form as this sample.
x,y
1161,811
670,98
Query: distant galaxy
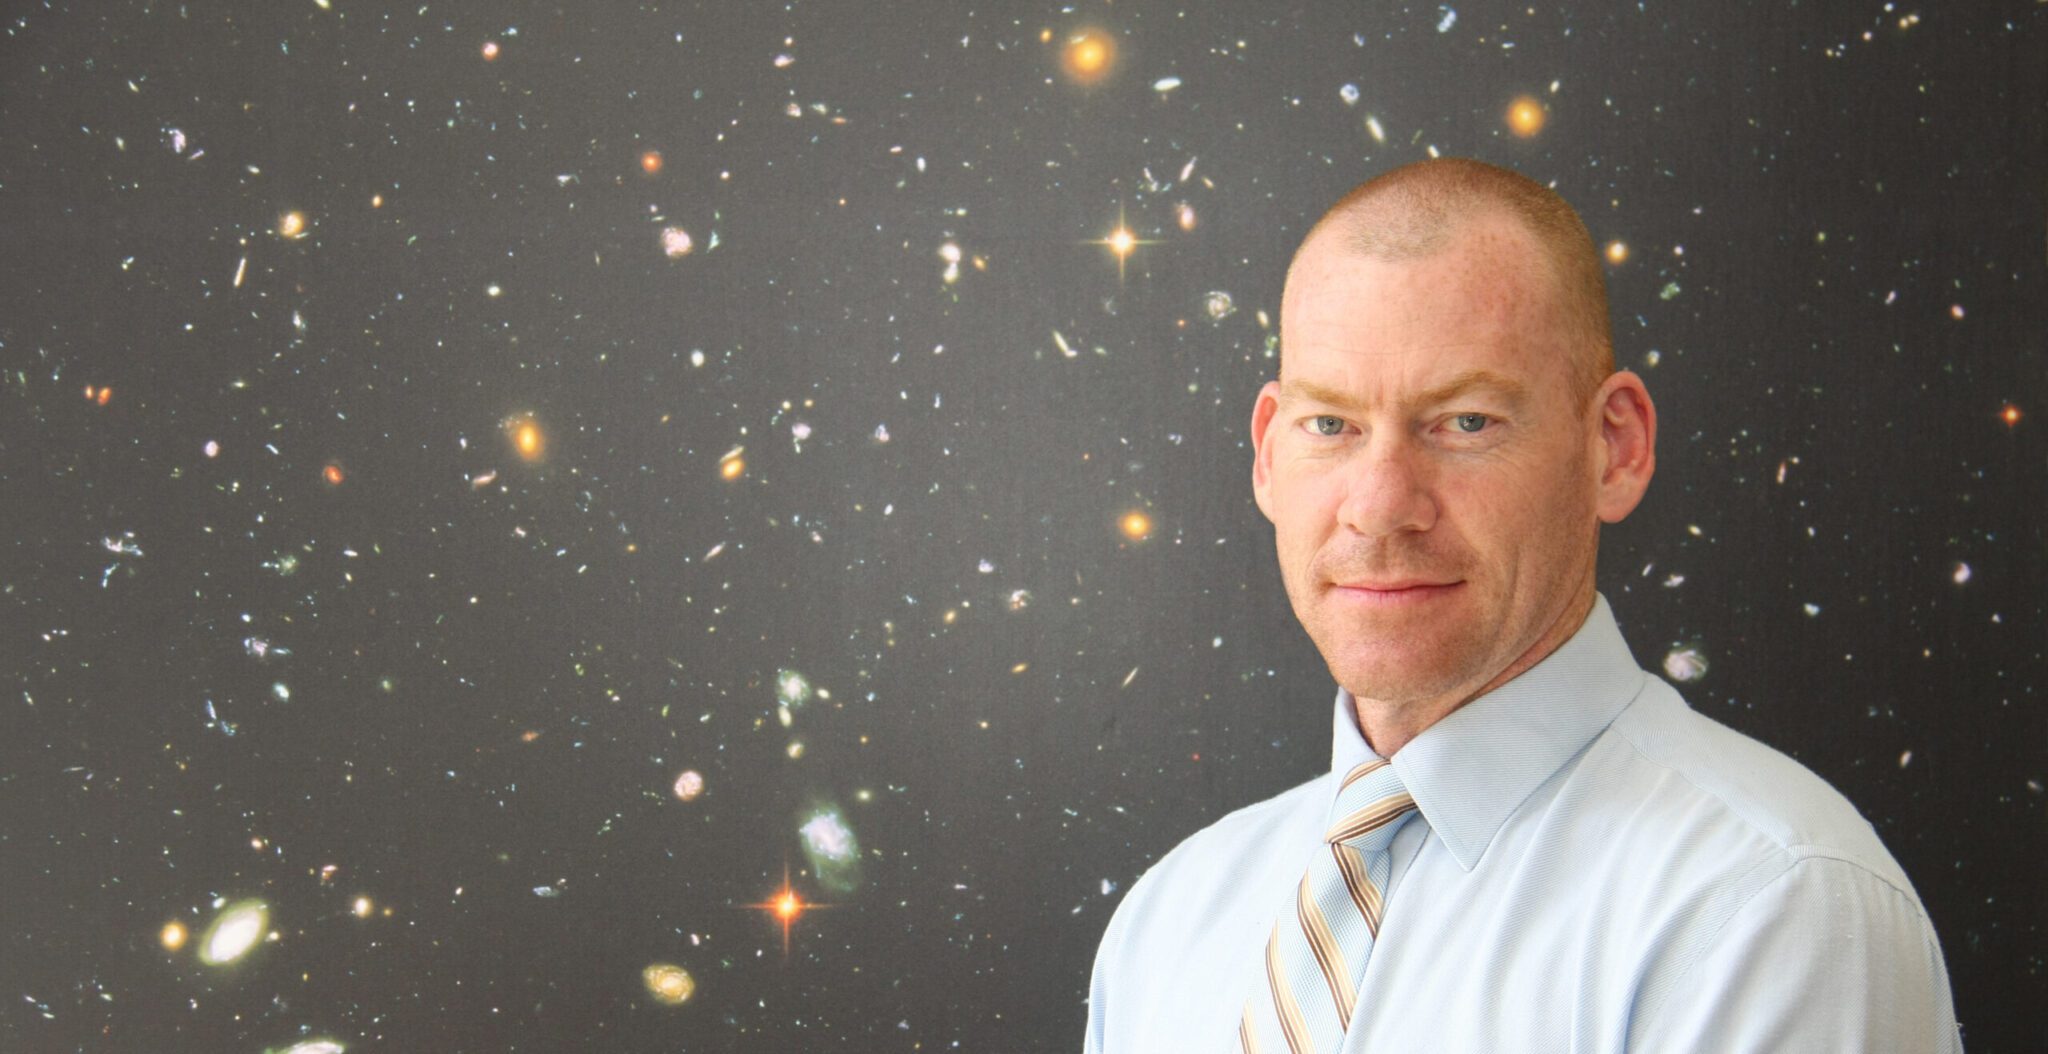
x,y
1088,55
831,849
1526,116
669,983
235,930
688,785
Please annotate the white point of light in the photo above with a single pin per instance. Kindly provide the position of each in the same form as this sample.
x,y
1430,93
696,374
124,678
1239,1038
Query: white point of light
x,y
234,932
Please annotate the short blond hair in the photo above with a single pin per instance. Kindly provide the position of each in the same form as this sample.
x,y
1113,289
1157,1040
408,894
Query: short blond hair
x,y
1414,210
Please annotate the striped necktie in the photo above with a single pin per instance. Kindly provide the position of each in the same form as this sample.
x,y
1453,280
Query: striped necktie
x,y
1315,959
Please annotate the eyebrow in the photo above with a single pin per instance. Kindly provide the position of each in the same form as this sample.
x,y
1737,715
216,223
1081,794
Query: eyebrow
x,y
1467,381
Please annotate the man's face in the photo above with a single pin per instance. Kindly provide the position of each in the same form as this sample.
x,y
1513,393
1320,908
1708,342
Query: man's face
x,y
1429,471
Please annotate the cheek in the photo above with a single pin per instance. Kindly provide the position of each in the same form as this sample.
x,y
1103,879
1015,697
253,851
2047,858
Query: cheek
x,y
1304,503
1520,511
1298,536
1492,503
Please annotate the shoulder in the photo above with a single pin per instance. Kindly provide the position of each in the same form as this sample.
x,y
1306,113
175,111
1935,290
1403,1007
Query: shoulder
x,y
1764,904
1170,960
1251,821
1218,861
1716,775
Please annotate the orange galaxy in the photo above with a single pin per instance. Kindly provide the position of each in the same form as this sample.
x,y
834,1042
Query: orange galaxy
x,y
650,162
490,51
1526,116
1136,525
526,437
1088,56
2010,415
333,474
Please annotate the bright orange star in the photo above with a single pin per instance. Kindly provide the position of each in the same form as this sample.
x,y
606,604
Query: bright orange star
x,y
1121,241
787,907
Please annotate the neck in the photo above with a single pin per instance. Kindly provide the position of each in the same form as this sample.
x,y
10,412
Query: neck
x,y
1389,725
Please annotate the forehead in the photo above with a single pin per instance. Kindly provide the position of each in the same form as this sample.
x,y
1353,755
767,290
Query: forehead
x,y
1486,299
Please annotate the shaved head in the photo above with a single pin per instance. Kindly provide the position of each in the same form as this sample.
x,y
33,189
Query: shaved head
x,y
1416,210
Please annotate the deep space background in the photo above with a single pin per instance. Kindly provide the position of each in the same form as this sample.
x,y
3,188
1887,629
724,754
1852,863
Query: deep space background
x,y
431,432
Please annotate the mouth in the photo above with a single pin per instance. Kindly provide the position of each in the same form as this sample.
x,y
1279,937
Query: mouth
x,y
1393,592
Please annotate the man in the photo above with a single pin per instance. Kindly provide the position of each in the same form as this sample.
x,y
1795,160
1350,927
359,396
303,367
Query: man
x,y
1525,842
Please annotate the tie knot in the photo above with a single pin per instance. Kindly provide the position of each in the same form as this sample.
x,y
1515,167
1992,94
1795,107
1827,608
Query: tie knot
x,y
1371,806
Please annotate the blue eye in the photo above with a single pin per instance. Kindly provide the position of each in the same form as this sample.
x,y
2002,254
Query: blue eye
x,y
1326,425
1470,423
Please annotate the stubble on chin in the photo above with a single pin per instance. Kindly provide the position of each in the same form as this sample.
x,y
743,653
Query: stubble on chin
x,y
1421,653
1399,665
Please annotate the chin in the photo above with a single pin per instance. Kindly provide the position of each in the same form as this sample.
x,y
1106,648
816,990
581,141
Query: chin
x,y
1376,671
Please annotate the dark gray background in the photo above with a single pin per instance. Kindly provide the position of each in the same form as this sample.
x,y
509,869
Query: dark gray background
x,y
1835,217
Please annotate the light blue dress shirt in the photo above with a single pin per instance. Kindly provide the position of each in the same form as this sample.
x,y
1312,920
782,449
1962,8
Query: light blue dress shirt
x,y
1594,868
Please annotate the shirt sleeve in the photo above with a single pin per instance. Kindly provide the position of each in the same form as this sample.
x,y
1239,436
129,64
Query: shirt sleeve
x,y
1827,956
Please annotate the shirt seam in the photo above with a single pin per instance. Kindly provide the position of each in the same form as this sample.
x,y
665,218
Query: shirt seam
x,y
1701,949
1704,948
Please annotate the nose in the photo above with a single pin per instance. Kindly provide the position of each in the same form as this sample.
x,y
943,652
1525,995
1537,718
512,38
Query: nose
x,y
1389,489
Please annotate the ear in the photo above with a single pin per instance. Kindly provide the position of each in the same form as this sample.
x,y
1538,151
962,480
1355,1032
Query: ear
x,y
1627,445
1263,412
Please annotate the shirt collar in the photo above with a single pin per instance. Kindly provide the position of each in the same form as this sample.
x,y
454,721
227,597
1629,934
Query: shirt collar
x,y
1471,770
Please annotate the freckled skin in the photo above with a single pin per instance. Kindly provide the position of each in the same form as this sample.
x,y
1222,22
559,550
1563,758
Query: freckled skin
x,y
1377,478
